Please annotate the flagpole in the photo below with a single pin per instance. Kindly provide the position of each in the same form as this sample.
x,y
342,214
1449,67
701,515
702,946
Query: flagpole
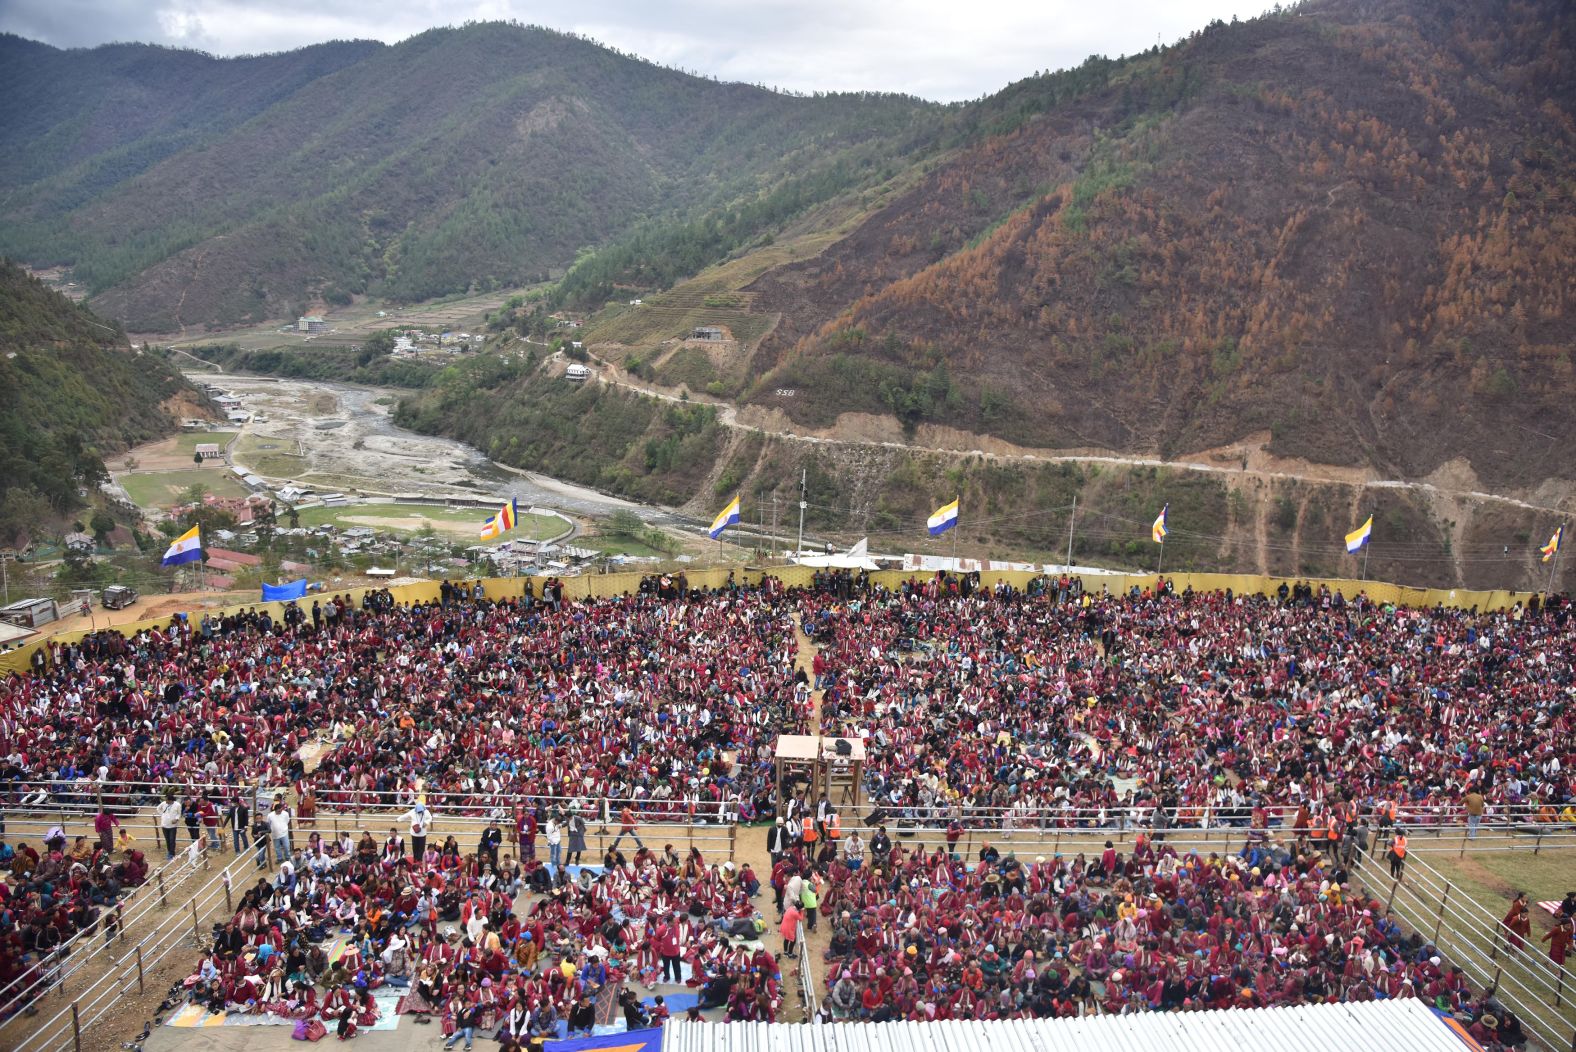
x,y
1161,568
1554,564
1071,521
1368,543
956,526
804,482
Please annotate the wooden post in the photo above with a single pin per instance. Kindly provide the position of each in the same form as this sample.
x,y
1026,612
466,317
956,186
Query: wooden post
x,y
76,1028
1440,920
196,931
733,838
139,968
1394,883
163,900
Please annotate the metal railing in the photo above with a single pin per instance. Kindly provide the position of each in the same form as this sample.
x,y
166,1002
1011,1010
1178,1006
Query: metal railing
x,y
1531,984
181,930
76,798
807,989
1220,839
1530,819
65,961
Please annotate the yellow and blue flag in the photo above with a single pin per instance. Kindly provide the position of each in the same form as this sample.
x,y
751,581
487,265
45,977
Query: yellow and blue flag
x,y
725,518
186,549
1359,537
943,518
1158,531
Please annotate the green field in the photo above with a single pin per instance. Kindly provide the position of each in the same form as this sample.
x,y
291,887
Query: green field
x,y
187,442
272,457
453,524
161,489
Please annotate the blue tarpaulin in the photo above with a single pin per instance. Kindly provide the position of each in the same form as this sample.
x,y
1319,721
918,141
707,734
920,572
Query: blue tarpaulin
x,y
273,593
629,1041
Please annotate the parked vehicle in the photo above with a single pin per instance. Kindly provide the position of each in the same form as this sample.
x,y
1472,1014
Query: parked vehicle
x,y
118,597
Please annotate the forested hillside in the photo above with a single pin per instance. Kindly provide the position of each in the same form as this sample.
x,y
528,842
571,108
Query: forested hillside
x,y
1348,225
487,155
72,391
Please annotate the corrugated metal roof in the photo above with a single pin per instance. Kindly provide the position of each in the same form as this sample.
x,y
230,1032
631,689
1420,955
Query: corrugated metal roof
x,y
1395,1024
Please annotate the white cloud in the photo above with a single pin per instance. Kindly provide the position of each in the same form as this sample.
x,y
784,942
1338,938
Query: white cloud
x,y
939,49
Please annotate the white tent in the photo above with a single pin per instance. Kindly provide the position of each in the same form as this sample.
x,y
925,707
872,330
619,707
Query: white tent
x,y
1395,1024
855,558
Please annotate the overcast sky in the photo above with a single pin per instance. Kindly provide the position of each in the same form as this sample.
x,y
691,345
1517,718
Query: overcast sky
x,y
938,49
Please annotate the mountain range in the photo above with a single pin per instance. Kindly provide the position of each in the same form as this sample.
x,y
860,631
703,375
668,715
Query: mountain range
x,y
1341,230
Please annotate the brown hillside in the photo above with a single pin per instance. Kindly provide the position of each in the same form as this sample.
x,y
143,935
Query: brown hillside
x,y
1351,225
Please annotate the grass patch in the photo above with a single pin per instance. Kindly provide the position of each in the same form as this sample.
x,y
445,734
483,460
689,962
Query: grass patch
x,y
187,442
274,457
456,524
161,489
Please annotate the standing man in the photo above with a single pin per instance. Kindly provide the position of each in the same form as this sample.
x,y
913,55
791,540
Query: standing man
x,y
1398,854
279,830
525,827
104,825
492,839
665,937
1559,940
169,815
209,812
240,818
577,839
776,841
626,828
1475,805
555,843
420,820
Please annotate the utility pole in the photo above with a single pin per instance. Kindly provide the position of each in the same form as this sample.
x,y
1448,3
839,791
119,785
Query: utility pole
x,y
5,576
1070,523
774,524
804,479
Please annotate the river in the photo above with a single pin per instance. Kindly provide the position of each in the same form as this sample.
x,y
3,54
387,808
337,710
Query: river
x,y
334,436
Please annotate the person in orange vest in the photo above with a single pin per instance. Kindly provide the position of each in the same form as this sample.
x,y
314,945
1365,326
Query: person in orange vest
x,y
1332,833
834,827
1387,813
1398,853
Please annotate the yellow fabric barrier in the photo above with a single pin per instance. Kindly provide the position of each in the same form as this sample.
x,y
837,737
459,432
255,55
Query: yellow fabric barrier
x,y
602,586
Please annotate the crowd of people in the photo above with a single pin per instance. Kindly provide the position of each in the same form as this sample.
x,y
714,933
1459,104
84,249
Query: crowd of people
x,y
54,899
1072,710
517,949
674,703
1312,720
921,936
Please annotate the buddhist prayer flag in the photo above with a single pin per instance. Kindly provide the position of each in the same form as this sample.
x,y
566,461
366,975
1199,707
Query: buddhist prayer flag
x,y
1552,549
1158,531
725,518
943,519
504,520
